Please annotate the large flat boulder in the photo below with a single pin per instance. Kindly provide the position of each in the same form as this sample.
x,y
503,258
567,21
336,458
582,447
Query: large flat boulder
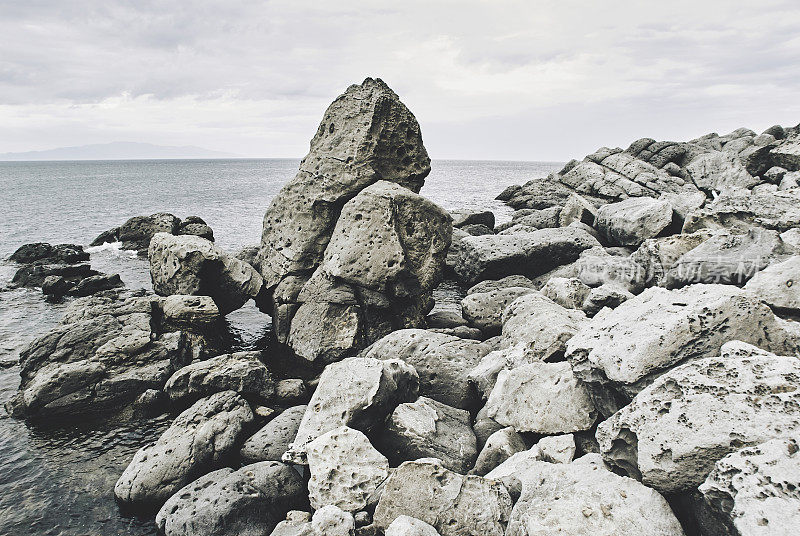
x,y
634,220
778,285
674,431
196,442
455,505
524,253
619,352
358,393
273,439
741,209
484,310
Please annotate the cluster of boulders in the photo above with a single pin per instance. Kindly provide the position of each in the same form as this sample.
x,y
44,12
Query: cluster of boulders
x,y
626,359
59,270
136,233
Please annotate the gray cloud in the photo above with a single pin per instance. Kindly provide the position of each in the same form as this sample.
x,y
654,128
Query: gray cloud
x,y
501,79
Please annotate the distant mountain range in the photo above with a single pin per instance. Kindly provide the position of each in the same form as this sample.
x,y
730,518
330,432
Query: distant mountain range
x,y
118,150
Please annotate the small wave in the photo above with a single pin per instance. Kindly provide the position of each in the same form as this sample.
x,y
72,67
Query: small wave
x,y
113,247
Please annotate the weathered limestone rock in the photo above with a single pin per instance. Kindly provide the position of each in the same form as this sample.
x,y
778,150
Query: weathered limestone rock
x,y
500,446
484,427
365,136
607,295
557,449
484,310
536,194
631,222
718,170
357,392
409,526
345,469
778,285
462,219
453,504
674,431
249,501
242,372
541,397
658,255
332,521
741,209
728,258
787,154
577,209
385,257
183,310
585,498
620,352
198,440
42,253
192,265
506,282
272,441
104,354
430,429
566,292
526,253
443,362
754,490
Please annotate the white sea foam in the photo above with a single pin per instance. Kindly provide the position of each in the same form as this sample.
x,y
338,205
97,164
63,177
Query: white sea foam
x,y
115,248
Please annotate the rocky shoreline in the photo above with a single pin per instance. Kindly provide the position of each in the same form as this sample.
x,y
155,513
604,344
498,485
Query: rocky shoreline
x,y
626,360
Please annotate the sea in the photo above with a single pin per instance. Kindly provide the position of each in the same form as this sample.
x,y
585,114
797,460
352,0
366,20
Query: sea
x,y
58,478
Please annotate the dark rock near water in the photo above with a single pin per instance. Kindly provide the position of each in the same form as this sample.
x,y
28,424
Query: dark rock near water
x,y
136,233
42,253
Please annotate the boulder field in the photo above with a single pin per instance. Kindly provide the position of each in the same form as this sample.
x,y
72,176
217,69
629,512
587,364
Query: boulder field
x,y
624,360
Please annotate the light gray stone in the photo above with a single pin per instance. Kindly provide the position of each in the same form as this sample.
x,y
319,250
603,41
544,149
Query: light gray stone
x,y
484,310
455,505
506,282
500,446
632,221
674,431
566,292
778,284
409,526
242,372
557,449
273,439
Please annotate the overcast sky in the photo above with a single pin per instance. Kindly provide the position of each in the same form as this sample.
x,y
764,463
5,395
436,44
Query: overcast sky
x,y
523,80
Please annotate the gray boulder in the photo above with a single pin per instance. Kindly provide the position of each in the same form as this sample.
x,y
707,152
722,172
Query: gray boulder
x,y
585,498
569,293
196,442
430,429
242,372
462,219
192,265
500,446
544,398
443,362
607,295
753,490
719,170
183,310
272,441
453,504
345,470
358,393
484,310
674,431
658,255
136,233
738,210
247,502
506,282
620,352
632,221
409,526
525,253
778,285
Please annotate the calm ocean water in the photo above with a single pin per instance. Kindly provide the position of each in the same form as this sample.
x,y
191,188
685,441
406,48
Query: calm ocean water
x,y
58,480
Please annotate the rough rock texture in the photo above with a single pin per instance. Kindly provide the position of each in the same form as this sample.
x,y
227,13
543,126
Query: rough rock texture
x,y
728,258
384,258
755,489
192,265
332,521
430,429
43,253
242,372
607,295
500,446
658,255
673,432
463,219
103,354
740,209
443,362
506,282
247,502
525,253
566,292
366,135
357,392
136,233
778,285
585,498
541,397
409,526
182,310
557,449
621,351
718,170
453,504
536,194
577,209
345,469
484,310
271,441
631,222
198,440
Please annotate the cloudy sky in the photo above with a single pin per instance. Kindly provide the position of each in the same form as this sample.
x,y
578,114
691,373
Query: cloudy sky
x,y
500,79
